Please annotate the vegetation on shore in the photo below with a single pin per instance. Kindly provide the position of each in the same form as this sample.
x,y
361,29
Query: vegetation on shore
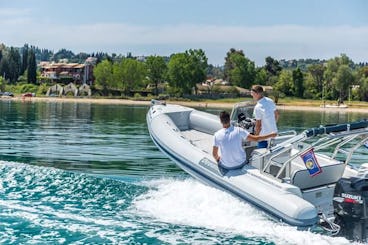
x,y
182,75
287,101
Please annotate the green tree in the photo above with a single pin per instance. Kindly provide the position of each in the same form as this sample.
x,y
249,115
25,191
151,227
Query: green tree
x,y
4,66
215,71
197,64
261,76
156,70
362,81
103,74
329,75
132,73
2,83
298,79
317,86
25,51
178,73
239,70
311,90
285,84
31,67
273,70
342,81
14,63
229,65
63,54
272,66
333,84
187,69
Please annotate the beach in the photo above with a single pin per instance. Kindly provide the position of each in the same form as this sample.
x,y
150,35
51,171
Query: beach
x,y
184,103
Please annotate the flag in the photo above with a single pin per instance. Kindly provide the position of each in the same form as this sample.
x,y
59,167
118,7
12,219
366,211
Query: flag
x,y
311,163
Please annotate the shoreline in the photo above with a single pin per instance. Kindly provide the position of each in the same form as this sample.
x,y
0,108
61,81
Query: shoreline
x,y
223,105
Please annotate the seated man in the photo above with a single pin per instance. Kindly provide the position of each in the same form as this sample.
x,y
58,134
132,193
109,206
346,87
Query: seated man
x,y
229,139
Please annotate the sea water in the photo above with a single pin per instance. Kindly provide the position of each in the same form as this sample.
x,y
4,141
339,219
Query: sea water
x,y
78,173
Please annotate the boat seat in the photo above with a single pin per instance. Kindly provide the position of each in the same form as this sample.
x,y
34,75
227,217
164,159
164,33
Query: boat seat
x,y
331,173
202,122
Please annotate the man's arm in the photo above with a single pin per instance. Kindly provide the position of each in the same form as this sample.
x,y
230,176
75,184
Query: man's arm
x,y
215,153
258,127
260,137
277,115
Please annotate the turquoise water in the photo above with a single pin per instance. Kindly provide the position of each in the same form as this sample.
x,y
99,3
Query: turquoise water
x,y
76,173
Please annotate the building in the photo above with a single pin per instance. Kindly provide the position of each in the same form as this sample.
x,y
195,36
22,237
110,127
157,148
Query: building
x,y
69,72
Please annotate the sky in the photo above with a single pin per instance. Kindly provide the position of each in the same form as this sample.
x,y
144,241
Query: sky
x,y
282,29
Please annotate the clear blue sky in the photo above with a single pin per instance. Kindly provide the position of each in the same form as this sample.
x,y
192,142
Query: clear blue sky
x,y
284,29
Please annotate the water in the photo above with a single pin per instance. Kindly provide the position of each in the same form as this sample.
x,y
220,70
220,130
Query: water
x,y
78,173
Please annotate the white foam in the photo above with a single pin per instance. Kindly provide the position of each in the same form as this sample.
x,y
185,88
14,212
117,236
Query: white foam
x,y
188,202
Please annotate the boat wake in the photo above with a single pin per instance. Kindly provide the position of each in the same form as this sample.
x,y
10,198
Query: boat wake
x,y
66,207
190,203
39,204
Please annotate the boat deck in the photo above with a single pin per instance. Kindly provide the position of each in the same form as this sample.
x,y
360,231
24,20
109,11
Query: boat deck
x,y
201,140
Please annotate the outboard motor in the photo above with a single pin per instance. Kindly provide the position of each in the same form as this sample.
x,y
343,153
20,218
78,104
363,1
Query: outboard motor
x,y
350,207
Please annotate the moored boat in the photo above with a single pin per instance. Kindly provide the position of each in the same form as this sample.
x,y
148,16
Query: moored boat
x,y
341,106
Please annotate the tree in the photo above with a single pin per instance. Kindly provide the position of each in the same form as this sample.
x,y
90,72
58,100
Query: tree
x,y
187,69
344,78
178,73
261,76
14,65
239,70
298,83
272,66
215,71
285,83
273,69
63,54
132,73
334,85
4,67
229,65
2,83
316,72
31,67
197,64
156,70
311,90
103,74
25,52
362,80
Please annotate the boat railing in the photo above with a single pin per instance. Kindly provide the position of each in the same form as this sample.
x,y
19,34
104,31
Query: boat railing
x,y
281,137
349,153
272,161
337,136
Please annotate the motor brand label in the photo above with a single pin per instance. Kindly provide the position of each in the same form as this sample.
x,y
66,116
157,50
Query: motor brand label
x,y
354,197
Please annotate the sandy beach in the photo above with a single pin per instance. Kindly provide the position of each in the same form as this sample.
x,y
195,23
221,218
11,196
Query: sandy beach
x,y
184,103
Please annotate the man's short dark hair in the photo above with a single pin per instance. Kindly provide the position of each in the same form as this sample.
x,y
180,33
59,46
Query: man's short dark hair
x,y
258,89
224,117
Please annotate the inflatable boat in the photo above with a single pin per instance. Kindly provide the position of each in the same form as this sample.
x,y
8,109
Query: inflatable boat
x,y
295,180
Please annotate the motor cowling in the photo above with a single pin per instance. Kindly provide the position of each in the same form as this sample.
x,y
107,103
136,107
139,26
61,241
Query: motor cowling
x,y
246,123
350,208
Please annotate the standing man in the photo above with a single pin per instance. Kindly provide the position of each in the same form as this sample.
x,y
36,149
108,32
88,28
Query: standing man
x,y
265,113
229,140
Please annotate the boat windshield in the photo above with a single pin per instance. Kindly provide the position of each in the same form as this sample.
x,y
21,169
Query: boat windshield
x,y
242,111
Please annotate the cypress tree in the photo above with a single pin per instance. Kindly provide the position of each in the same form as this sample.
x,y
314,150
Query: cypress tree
x,y
24,59
32,67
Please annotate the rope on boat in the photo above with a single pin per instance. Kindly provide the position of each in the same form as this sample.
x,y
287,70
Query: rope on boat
x,y
329,226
